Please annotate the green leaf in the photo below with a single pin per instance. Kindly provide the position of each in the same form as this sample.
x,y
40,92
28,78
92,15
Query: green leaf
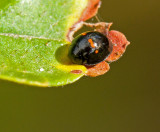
x,y
33,44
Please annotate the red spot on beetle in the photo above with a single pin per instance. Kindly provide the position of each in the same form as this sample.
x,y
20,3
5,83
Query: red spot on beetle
x,y
119,42
91,43
83,34
96,51
76,71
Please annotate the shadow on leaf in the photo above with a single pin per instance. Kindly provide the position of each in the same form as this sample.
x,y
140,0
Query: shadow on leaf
x,y
62,55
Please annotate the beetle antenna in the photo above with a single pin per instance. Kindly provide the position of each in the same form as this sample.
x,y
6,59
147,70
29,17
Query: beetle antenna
x,y
97,18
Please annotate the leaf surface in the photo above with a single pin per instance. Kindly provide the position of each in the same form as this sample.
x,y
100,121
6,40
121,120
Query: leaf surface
x,y
33,43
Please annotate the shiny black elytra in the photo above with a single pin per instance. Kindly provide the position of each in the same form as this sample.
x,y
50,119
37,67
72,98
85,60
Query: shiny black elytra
x,y
89,48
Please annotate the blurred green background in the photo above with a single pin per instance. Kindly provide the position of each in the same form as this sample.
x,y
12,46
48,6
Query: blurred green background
x,y
126,99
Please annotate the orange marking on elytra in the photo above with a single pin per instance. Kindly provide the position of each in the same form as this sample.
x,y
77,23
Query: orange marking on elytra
x,y
83,34
91,43
96,51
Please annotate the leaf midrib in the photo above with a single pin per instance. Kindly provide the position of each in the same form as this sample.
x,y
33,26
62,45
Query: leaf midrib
x,y
29,37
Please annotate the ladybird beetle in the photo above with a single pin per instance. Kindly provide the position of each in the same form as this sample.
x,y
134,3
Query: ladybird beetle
x,y
89,48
